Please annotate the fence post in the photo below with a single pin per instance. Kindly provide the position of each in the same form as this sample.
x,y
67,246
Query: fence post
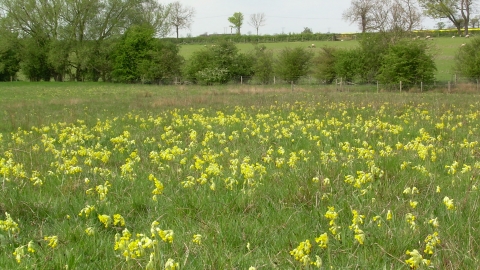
x,y
400,86
449,86
421,86
477,84
377,86
292,85
241,79
455,79
273,79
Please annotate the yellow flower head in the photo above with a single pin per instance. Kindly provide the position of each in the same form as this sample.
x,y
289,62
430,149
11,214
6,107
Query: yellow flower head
x,y
52,241
197,239
322,240
448,203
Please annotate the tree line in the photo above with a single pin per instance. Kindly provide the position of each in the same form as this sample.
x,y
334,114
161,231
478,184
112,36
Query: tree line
x,y
77,39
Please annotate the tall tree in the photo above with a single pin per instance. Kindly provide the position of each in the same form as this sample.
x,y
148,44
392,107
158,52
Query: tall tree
x,y
384,16
360,12
440,9
257,20
237,21
180,17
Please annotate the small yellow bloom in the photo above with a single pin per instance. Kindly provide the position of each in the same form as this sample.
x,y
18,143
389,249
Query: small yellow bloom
x,y
30,246
118,220
90,231
413,204
197,239
389,215
448,203
171,265
105,219
438,189
322,240
52,240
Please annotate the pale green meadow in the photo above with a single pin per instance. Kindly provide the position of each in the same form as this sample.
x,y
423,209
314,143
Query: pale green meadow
x,y
109,176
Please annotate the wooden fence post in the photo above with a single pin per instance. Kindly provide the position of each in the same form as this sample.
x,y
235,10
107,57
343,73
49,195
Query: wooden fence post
x,y
400,86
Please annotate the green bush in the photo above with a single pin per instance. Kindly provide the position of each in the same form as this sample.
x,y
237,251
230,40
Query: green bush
x,y
324,65
467,59
408,62
293,63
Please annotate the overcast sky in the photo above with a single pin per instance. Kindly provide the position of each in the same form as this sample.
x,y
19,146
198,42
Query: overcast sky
x,y
211,16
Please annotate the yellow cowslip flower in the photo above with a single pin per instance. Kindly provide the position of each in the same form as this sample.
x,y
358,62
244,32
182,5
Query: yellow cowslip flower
x,y
30,247
197,239
389,215
438,189
150,264
413,204
410,218
360,236
105,219
9,225
166,235
431,241
322,240
52,240
315,179
318,262
90,231
252,268
86,210
416,259
331,215
19,253
434,222
448,203
118,220
302,251
171,265
378,220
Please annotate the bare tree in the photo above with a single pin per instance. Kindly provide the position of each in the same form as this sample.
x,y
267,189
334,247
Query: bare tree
x,y
257,20
465,8
360,12
180,17
384,15
475,21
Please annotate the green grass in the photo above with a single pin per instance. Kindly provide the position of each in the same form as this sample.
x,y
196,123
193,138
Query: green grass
x,y
443,48
252,170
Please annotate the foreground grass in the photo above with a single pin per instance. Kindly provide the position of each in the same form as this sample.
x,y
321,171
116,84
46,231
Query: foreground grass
x,y
103,176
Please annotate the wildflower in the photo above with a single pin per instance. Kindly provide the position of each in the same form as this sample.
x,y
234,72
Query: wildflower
x,y
431,241
252,268
86,210
166,235
301,252
434,222
389,215
331,215
90,231
30,247
378,220
360,236
448,203
171,264
118,220
438,189
19,253
197,239
410,218
105,219
52,240
8,224
318,262
413,204
416,259
322,240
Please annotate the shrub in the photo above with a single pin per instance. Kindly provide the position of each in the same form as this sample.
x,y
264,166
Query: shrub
x,y
293,63
409,62
467,59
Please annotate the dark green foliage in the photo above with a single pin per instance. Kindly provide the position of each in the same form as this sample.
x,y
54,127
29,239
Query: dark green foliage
x,y
348,64
139,57
293,63
373,46
467,59
9,58
35,64
218,64
324,65
409,62
263,66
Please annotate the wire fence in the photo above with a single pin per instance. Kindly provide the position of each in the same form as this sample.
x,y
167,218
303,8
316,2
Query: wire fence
x,y
339,84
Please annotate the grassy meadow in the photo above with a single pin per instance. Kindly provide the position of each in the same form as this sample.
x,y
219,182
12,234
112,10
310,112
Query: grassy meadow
x,y
110,176
443,48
